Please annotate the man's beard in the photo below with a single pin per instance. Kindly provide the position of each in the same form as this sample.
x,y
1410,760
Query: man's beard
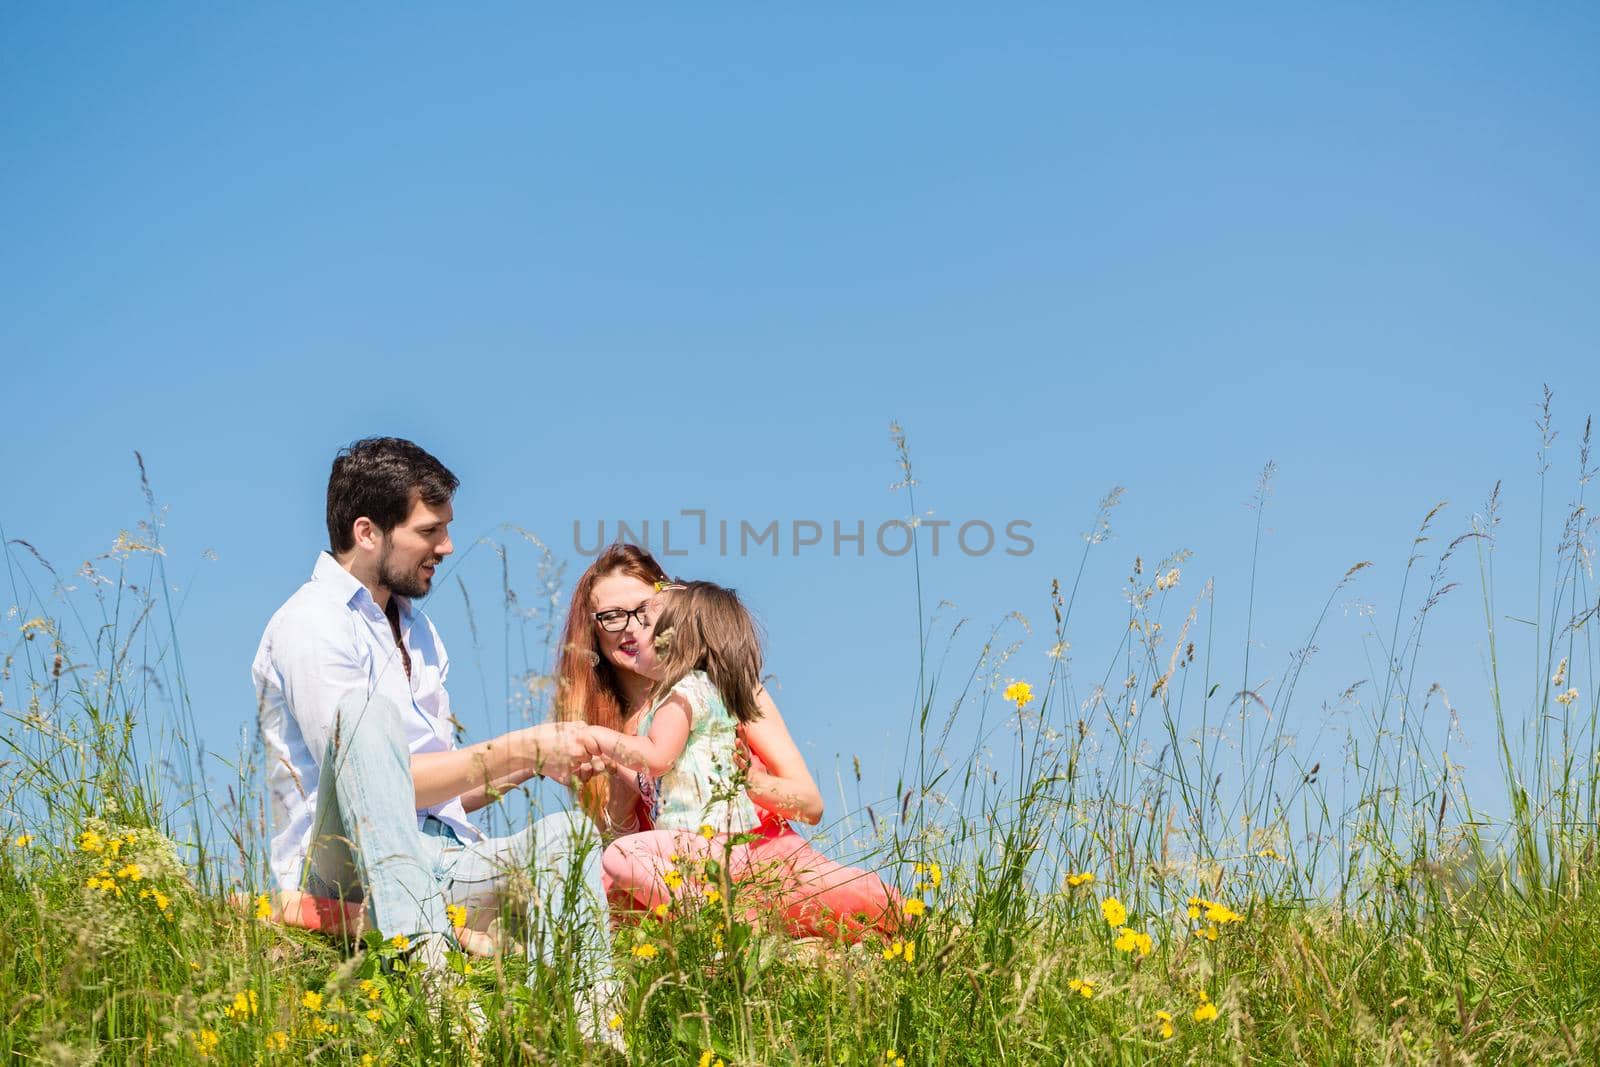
x,y
411,584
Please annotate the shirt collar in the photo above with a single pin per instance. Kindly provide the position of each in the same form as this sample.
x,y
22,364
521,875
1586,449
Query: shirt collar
x,y
349,588
346,586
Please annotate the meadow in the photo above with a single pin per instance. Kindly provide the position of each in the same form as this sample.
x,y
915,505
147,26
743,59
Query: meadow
x,y
1138,870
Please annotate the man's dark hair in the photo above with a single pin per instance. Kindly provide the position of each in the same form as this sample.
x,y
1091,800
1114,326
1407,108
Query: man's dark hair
x,y
378,477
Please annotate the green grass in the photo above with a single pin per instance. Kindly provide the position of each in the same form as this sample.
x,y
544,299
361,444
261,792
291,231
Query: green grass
x,y
1387,921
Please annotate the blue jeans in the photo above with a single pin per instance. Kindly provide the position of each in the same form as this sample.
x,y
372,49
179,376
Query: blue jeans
x,y
367,845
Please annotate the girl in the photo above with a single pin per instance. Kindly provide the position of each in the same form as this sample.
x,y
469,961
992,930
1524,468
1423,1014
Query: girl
x,y
602,682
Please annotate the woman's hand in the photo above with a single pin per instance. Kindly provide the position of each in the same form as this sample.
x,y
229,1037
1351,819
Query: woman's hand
x,y
777,777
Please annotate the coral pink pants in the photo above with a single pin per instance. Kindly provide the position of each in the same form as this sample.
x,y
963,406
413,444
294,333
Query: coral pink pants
x,y
779,871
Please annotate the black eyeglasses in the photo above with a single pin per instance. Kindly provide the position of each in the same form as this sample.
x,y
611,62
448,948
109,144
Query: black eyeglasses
x,y
616,620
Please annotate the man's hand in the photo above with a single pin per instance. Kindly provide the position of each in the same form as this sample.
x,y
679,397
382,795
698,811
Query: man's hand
x,y
562,750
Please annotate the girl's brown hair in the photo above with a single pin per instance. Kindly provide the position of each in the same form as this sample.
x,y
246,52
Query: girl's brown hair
x,y
705,627
586,682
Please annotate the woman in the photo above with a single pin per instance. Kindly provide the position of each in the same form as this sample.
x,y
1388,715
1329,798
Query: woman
x,y
598,683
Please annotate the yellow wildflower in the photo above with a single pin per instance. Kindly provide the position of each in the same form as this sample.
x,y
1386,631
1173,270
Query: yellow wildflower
x,y
660,911
374,1015
1194,907
914,907
890,1058
934,872
263,906
400,942
205,1042
1115,914
89,841
645,951
368,1059
1019,693
1164,1020
1218,913
311,1001
905,950
713,895
244,1005
277,1041
1269,853
615,1022
707,831
673,878
1209,932
711,1059
131,871
1075,880
1132,941
1083,988
456,914
23,840
372,989
1205,1013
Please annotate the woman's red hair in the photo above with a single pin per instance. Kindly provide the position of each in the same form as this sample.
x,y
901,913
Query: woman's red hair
x,y
586,682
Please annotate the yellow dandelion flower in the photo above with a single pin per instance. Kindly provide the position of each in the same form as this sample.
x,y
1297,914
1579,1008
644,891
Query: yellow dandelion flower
x,y
707,831
368,1059
645,951
131,871
673,879
23,840
311,1001
1083,988
1164,1021
277,1041
1205,1013
1114,912
1209,932
1076,880
615,1022
1218,913
400,942
374,1015
371,989
914,908
1019,693
660,911
934,872
713,895
1195,904
205,1042
89,841
456,914
263,906
244,1005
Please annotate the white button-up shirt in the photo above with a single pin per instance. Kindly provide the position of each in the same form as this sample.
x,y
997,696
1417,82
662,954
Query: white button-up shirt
x,y
328,641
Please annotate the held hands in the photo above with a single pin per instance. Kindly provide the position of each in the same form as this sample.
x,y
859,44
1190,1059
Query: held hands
x,y
564,751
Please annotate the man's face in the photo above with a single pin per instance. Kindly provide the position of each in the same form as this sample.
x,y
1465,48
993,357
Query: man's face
x,y
413,549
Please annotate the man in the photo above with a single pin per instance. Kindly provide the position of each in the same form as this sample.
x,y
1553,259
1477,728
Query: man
x,y
370,794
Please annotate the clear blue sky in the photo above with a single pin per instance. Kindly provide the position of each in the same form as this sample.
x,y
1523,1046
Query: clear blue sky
x,y
616,264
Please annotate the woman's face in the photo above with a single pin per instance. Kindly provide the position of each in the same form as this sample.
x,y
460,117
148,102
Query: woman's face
x,y
629,648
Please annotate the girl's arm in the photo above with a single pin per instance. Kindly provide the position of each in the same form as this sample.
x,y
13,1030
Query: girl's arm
x,y
779,779
655,753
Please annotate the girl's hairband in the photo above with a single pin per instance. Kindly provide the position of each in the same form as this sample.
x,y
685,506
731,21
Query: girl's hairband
x,y
661,586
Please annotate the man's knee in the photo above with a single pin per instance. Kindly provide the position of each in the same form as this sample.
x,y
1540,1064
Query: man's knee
x,y
368,723
568,831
